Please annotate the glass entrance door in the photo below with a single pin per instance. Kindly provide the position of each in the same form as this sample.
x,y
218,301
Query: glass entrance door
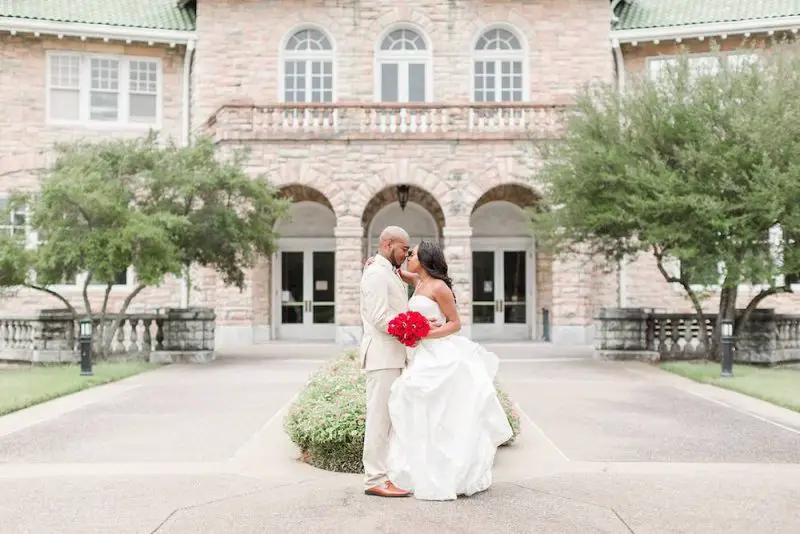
x,y
500,293
306,293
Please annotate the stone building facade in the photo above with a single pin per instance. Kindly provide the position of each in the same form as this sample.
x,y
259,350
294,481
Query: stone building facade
x,y
366,113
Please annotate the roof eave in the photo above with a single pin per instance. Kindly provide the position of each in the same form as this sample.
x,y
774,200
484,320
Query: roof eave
x,y
676,33
96,31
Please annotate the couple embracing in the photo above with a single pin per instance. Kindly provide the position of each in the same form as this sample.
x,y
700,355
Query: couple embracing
x,y
434,420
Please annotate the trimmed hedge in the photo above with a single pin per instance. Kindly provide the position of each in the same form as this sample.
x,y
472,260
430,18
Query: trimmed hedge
x,y
327,420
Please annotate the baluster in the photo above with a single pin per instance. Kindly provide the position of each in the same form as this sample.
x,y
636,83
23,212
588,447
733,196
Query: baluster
x,y
13,337
3,334
662,337
650,330
28,337
147,338
326,119
159,334
133,337
688,337
675,335
119,346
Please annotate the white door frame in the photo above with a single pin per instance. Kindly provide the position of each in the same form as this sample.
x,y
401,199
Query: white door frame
x,y
499,331
307,330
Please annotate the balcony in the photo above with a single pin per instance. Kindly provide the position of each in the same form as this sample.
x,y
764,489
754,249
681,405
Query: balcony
x,y
277,122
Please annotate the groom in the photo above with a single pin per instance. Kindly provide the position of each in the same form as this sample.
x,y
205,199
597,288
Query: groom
x,y
383,297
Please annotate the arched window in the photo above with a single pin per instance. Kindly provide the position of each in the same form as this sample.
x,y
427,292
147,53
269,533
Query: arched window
x,y
308,67
499,67
403,63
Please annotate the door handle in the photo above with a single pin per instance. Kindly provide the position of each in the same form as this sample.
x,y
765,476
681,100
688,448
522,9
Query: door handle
x,y
307,305
501,305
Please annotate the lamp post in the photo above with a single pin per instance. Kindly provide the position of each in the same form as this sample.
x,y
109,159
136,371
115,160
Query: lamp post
x,y
85,340
727,348
402,196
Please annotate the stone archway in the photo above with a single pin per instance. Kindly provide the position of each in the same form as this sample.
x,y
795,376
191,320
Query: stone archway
x,y
299,295
423,216
512,282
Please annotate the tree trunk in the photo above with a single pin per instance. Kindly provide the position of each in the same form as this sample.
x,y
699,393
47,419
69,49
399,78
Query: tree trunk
x,y
120,316
696,303
741,322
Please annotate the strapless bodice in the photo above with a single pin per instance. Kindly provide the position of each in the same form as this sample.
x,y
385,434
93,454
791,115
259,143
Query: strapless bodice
x,y
427,307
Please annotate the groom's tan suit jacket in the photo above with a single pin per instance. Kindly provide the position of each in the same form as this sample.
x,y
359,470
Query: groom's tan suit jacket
x,y
383,297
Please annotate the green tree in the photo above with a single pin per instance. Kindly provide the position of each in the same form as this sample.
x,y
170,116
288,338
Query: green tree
x,y
104,207
699,166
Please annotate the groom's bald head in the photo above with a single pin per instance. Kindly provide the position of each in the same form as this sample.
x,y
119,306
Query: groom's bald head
x,y
394,244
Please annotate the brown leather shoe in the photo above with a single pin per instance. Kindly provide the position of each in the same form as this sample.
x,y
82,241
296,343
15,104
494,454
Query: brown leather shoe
x,y
387,490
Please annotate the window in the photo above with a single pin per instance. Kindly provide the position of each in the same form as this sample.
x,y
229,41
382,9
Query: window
x,y
498,68
698,63
403,67
122,279
17,221
308,68
94,89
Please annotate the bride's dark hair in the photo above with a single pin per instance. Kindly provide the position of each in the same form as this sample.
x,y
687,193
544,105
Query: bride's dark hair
x,y
431,258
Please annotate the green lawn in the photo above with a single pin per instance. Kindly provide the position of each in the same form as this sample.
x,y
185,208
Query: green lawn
x,y
775,385
21,387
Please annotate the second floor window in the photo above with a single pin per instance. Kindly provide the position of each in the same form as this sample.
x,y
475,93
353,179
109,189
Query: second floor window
x,y
308,68
403,67
99,89
499,67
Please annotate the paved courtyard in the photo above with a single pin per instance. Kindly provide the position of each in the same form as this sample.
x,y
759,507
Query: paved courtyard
x,y
606,447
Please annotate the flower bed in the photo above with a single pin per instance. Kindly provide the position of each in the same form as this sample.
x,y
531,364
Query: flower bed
x,y
327,420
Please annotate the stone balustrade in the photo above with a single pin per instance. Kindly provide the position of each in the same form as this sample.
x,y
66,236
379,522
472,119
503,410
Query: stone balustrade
x,y
176,335
641,334
381,121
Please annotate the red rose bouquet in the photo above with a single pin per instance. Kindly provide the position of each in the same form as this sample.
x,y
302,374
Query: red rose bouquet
x,y
409,328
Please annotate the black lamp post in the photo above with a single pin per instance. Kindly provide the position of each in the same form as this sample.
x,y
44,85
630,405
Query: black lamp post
x,y
727,348
402,196
85,340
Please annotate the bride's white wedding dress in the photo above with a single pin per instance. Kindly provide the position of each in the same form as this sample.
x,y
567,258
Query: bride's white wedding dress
x,y
446,418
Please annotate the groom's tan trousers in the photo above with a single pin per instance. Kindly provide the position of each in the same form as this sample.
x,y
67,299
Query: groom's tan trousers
x,y
378,425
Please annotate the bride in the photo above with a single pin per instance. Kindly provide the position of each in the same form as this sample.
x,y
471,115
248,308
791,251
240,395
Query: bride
x,y
446,417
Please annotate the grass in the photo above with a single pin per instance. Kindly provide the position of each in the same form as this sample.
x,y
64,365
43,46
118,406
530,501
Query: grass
x,y
21,387
779,386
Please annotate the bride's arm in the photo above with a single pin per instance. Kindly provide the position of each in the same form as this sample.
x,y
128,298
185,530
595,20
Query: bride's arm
x,y
447,302
409,278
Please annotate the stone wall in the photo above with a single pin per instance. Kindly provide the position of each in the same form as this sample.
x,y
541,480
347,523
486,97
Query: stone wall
x,y
642,334
567,40
176,336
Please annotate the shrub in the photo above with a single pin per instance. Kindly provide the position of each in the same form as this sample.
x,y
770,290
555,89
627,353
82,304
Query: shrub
x,y
327,420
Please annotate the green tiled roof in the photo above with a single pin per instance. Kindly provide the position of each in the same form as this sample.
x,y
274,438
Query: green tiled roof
x,y
639,14
151,14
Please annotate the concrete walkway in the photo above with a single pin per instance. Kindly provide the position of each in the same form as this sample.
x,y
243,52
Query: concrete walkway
x,y
200,449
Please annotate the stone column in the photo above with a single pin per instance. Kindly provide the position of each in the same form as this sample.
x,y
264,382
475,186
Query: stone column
x,y
349,263
621,334
261,302
571,316
458,252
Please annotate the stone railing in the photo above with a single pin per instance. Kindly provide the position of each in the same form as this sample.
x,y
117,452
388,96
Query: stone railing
x,y
641,334
176,335
386,121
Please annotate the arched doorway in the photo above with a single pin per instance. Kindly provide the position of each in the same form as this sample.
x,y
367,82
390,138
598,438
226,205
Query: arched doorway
x,y
504,279
410,207
304,273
